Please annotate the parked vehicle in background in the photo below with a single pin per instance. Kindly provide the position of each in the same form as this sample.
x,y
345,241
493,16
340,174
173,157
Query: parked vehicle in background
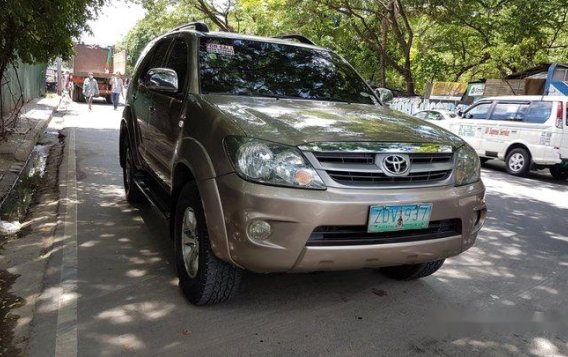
x,y
102,62
288,163
441,118
51,79
527,132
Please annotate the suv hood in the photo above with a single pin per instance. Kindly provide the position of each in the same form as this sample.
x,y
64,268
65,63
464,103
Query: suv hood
x,y
296,121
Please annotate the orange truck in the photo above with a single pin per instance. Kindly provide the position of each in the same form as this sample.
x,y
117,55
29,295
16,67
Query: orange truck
x,y
102,61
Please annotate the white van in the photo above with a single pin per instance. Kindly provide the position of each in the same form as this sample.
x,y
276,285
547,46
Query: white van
x,y
527,132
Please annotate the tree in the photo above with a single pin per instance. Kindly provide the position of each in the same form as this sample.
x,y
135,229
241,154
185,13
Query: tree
x,y
161,17
38,31
406,43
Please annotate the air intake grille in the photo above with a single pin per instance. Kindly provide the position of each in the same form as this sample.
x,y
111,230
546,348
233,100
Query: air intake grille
x,y
358,235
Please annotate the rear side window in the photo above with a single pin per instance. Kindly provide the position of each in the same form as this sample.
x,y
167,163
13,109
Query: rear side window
x,y
509,111
421,115
480,111
537,112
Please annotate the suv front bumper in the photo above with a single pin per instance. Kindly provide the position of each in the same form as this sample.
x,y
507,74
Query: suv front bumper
x,y
294,214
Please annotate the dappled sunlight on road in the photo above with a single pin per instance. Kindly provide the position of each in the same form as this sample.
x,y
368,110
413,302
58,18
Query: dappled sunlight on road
x,y
482,302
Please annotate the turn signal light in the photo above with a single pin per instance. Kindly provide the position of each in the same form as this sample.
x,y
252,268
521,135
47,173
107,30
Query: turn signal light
x,y
559,114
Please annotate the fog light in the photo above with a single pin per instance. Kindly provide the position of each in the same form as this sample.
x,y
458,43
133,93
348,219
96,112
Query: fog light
x,y
259,230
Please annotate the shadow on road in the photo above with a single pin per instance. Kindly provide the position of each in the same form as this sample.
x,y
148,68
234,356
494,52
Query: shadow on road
x,y
129,301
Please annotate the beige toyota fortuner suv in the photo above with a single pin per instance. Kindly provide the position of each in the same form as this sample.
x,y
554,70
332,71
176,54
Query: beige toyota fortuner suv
x,y
273,155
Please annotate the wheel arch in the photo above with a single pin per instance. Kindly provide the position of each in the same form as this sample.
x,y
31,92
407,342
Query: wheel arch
x,y
126,135
517,145
210,199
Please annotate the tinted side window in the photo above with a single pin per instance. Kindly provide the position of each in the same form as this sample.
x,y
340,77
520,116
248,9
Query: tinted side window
x,y
509,111
480,111
537,112
434,116
178,62
158,55
421,115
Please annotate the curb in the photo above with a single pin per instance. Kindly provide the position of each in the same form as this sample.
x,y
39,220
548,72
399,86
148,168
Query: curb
x,y
23,155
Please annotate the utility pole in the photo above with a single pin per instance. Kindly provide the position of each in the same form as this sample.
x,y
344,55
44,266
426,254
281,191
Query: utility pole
x,y
59,76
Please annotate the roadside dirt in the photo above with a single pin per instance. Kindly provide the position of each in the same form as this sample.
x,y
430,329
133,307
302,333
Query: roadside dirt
x,y
8,321
23,257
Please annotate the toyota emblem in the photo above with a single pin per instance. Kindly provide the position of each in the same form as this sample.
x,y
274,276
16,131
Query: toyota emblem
x,y
396,165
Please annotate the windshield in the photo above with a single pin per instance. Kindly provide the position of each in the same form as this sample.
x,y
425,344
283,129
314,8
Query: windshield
x,y
253,68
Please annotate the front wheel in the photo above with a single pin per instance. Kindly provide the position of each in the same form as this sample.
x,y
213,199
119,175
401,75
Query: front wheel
x,y
413,271
559,172
518,162
203,278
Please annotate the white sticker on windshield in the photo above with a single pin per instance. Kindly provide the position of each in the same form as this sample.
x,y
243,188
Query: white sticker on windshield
x,y
220,49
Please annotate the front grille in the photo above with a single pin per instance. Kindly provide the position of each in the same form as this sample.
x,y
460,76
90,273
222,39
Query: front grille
x,y
430,158
358,235
364,169
345,158
346,177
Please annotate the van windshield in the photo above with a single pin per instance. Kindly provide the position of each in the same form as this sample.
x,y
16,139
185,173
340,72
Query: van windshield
x,y
254,68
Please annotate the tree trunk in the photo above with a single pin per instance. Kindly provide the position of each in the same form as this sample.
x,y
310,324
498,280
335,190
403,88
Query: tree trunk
x,y
383,73
410,89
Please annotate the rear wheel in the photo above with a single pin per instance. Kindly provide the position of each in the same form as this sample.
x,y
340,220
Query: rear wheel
x,y
559,172
131,191
518,162
203,278
413,271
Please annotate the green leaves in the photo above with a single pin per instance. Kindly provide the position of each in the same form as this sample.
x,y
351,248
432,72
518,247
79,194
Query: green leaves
x,y
424,41
39,31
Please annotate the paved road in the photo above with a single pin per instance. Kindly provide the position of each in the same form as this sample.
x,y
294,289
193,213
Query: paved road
x,y
506,296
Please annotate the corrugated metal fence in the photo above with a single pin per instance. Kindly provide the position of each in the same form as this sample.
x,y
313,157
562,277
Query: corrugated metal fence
x,y
32,84
416,104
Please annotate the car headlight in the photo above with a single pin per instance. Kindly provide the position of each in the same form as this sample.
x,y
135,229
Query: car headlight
x,y
273,164
468,166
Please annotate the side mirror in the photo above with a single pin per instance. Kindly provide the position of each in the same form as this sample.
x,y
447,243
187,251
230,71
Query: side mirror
x,y
460,113
385,95
162,80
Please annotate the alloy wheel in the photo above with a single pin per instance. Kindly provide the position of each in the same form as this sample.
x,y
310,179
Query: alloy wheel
x,y
190,243
516,162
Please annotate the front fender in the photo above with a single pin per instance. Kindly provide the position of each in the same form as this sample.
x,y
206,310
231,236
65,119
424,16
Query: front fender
x,y
193,155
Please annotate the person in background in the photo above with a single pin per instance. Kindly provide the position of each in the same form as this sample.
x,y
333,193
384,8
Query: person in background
x,y
65,90
90,89
117,89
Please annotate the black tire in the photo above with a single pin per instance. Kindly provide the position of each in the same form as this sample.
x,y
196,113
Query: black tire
x,y
559,172
413,271
131,191
214,281
518,162
76,93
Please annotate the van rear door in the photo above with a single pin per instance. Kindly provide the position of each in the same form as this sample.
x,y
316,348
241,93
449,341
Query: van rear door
x,y
564,139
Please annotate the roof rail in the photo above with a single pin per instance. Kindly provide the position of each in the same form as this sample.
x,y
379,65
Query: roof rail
x,y
197,26
299,38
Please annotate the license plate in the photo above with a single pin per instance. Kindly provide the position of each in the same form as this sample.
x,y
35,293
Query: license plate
x,y
399,217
